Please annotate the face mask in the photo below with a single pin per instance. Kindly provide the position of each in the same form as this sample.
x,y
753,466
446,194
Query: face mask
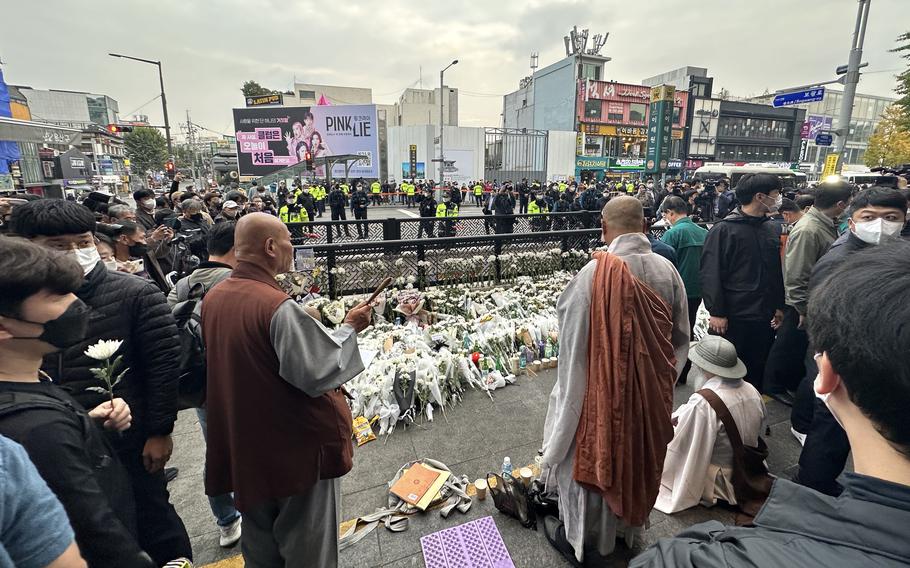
x,y
111,265
148,204
229,213
876,231
196,217
138,249
778,202
67,329
696,377
86,257
292,201
824,398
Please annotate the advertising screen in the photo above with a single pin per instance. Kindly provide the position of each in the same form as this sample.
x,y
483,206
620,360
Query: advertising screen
x,y
269,139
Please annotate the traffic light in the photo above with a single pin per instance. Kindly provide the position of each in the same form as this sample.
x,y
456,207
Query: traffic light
x,y
169,169
119,128
309,161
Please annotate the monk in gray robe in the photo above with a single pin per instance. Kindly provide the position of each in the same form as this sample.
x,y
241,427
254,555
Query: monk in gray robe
x,y
614,391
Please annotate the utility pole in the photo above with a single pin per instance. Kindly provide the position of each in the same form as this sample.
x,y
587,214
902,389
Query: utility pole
x,y
442,154
850,81
167,124
191,140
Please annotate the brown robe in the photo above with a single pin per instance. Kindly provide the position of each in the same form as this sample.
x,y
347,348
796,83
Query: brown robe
x,y
625,423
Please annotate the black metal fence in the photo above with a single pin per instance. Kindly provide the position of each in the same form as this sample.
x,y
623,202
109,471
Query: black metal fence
x,y
331,232
350,268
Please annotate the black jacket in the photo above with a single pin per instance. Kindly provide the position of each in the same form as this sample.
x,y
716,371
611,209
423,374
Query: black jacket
x,y
359,200
80,467
840,249
428,207
134,310
336,199
741,271
504,204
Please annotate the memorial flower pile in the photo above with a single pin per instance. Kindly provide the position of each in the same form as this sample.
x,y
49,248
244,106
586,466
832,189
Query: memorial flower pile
x,y
427,348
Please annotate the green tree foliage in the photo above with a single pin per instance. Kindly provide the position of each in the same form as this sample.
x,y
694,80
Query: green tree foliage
x,y
146,149
890,143
254,89
903,80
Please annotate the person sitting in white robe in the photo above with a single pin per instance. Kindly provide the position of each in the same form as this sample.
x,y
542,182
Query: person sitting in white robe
x,y
699,463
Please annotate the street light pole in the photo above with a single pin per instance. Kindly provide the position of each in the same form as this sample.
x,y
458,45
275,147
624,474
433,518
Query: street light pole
x,y
850,81
167,124
442,154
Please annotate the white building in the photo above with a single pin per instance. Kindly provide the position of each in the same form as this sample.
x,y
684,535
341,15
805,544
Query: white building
x,y
308,94
421,106
416,145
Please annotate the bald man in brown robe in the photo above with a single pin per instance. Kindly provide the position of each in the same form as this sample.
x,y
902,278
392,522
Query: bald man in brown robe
x,y
624,338
279,428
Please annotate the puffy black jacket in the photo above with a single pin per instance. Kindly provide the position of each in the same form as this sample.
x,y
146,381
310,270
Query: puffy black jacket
x,y
134,310
428,207
741,271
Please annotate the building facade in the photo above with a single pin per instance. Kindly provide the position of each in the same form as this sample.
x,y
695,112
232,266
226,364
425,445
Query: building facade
x,y
681,78
612,128
742,132
822,116
421,106
309,94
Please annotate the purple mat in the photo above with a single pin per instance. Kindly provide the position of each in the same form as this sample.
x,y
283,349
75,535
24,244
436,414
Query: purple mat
x,y
477,544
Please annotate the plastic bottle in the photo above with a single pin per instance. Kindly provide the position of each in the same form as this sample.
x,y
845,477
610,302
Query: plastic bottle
x,y
548,349
506,466
522,359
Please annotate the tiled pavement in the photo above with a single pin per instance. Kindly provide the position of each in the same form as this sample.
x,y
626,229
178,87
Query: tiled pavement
x,y
471,439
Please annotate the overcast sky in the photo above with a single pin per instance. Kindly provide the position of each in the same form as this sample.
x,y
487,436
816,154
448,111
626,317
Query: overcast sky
x,y
210,47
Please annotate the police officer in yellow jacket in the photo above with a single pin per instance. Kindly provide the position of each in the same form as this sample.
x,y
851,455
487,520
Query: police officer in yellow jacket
x,y
537,206
409,193
447,210
478,194
293,212
375,192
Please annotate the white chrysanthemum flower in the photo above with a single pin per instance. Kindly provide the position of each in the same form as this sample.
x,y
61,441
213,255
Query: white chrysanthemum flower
x,y
104,349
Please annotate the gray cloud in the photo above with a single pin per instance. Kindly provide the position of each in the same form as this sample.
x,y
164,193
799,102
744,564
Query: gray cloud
x,y
210,47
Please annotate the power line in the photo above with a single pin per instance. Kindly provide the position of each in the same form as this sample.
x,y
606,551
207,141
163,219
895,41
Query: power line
x,y
156,97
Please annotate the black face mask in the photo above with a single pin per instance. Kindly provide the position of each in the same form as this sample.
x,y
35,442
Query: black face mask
x,y
138,249
67,329
196,217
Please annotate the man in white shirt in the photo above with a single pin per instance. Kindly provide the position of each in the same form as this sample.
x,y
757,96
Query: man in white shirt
x,y
699,462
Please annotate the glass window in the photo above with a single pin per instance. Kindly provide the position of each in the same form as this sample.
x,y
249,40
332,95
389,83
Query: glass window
x,y
676,112
590,71
594,145
637,112
307,94
592,109
614,112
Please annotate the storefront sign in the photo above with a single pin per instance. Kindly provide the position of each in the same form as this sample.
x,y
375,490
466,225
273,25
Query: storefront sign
x,y
660,124
275,99
704,127
412,158
77,163
626,164
830,165
694,164
626,93
674,164
591,163
609,130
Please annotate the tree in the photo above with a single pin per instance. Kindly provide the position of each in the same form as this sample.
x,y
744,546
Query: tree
x,y
903,80
147,149
254,89
890,143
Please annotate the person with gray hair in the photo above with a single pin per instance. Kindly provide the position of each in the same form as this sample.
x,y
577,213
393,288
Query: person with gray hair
x,y
193,225
121,212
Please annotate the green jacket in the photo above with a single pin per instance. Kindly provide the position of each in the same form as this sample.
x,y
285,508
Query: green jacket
x,y
687,239
808,241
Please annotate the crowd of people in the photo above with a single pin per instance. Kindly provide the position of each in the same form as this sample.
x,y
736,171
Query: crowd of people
x,y
805,303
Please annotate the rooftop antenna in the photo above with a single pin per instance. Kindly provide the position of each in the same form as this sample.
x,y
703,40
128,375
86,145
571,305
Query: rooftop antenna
x,y
534,57
599,41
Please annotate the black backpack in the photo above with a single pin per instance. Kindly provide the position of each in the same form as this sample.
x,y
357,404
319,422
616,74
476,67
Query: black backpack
x,y
188,313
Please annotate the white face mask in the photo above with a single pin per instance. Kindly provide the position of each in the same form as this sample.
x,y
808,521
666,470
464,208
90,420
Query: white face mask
x,y
824,398
876,231
696,377
111,265
86,257
148,204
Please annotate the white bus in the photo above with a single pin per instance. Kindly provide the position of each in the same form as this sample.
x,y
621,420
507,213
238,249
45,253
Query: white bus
x,y
788,178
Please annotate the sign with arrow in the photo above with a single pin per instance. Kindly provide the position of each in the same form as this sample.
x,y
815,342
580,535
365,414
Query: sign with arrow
x,y
799,97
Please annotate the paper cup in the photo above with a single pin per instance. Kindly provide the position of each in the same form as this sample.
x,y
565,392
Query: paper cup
x,y
481,487
513,365
526,475
552,363
535,365
555,361
545,363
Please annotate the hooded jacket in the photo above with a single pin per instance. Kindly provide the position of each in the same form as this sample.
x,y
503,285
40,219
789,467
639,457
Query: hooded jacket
x,y
741,272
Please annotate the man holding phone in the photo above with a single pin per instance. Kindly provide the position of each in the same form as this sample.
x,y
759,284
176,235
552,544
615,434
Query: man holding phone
x,y
275,377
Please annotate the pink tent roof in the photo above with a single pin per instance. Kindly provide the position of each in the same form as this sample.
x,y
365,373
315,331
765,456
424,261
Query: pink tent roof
x,y
323,101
